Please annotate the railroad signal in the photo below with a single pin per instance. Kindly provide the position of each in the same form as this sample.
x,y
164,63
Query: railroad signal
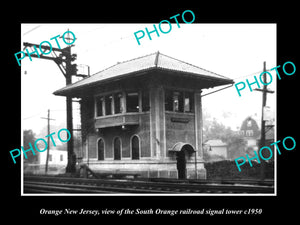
x,y
63,58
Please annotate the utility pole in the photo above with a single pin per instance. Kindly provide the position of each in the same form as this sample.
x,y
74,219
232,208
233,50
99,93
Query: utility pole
x,y
48,140
63,59
263,123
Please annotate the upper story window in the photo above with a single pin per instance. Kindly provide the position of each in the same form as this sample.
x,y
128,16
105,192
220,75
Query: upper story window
x,y
100,106
108,104
118,101
132,102
179,101
188,102
122,102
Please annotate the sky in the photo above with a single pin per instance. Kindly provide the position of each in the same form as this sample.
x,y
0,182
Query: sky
x,y
236,51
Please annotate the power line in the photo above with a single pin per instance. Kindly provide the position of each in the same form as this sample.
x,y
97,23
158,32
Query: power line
x,y
29,117
263,122
251,74
48,141
27,32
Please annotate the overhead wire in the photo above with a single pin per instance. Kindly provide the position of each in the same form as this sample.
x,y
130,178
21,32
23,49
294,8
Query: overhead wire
x,y
251,74
27,32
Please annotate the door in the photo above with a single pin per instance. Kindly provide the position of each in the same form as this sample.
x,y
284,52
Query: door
x,y
181,164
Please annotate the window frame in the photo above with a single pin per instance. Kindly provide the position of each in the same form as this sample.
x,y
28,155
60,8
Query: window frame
x,y
139,147
99,139
138,101
98,98
123,102
170,93
113,147
120,100
107,105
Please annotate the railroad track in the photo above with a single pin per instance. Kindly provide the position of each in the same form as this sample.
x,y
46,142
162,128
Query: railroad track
x,y
52,184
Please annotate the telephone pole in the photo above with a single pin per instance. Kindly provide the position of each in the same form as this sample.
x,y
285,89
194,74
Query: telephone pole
x,y
63,58
48,140
263,122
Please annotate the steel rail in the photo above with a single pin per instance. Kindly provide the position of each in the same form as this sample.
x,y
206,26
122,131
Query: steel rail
x,y
138,186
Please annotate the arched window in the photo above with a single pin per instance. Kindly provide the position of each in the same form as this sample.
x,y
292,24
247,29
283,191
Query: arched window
x,y
100,149
135,147
117,148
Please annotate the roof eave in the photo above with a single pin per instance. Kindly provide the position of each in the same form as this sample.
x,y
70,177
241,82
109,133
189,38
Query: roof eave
x,y
65,91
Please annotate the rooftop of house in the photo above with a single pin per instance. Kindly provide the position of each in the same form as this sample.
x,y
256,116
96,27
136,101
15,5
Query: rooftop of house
x,y
141,64
216,143
250,124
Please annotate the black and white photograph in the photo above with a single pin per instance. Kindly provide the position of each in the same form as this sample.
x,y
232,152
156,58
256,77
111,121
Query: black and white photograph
x,y
149,118
174,115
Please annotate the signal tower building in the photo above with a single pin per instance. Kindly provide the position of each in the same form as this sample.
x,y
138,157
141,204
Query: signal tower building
x,y
144,116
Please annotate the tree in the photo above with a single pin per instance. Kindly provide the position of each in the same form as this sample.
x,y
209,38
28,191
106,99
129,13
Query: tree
x,y
29,137
236,146
213,129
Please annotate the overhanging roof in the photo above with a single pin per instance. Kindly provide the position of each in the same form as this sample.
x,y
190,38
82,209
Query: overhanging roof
x,y
145,63
180,145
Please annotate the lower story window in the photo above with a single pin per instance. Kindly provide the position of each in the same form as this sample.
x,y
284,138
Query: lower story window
x,y
135,147
101,149
117,148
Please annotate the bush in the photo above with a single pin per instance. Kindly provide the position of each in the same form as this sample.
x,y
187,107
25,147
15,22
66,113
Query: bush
x,y
228,170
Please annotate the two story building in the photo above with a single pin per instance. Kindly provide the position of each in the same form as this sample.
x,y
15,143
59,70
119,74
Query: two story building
x,y
250,131
144,116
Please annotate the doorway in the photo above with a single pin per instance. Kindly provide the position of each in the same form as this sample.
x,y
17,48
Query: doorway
x,y
183,155
181,164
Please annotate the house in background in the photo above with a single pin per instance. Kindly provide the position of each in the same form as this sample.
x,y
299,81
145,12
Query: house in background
x,y
250,131
144,116
216,150
56,157
57,162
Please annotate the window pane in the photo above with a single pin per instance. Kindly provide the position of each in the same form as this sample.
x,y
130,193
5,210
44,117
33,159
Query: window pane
x,y
132,102
118,103
178,101
135,145
145,101
108,102
188,102
100,149
99,106
117,149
